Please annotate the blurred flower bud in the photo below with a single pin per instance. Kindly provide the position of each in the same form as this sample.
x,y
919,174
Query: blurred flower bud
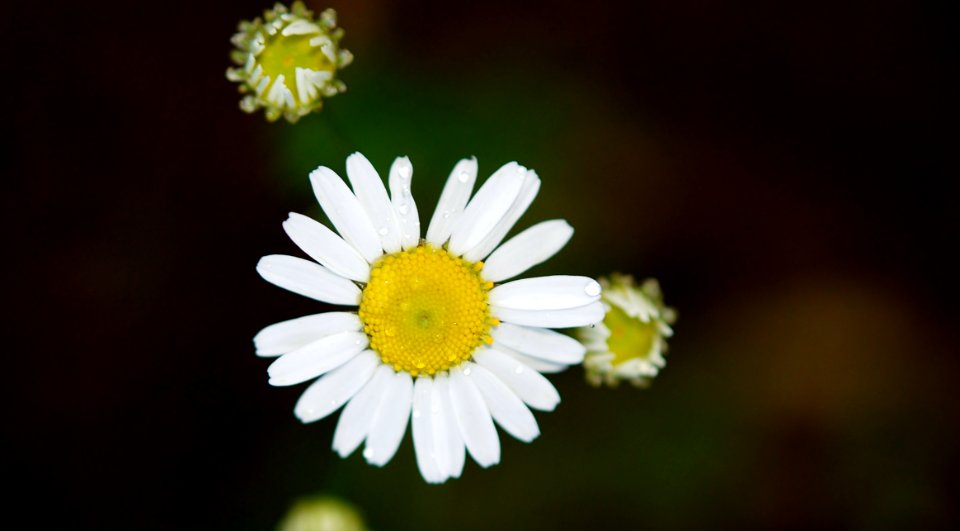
x,y
630,342
322,513
288,61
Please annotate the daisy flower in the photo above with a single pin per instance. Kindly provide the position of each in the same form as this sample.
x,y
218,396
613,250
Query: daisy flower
x,y
439,339
630,342
287,61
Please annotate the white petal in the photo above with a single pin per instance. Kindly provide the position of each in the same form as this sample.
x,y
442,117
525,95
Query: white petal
x,y
360,412
346,213
473,417
300,27
393,413
537,364
324,246
541,343
401,177
423,431
319,357
527,383
528,191
458,453
369,190
505,406
287,336
487,208
583,316
446,434
327,394
557,292
452,201
527,249
308,279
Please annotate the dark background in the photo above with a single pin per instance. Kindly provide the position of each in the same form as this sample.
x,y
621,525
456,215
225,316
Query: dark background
x,y
786,169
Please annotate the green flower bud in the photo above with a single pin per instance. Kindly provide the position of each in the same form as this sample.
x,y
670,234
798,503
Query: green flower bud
x,y
288,61
630,342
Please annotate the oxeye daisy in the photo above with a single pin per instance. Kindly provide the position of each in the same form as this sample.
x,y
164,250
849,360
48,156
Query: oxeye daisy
x,y
440,338
630,342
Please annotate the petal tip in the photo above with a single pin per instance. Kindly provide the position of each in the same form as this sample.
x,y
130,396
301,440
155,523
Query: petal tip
x,y
263,264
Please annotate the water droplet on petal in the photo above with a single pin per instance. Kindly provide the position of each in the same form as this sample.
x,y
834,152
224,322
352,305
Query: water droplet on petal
x,y
368,453
404,171
467,371
519,369
463,176
592,289
416,413
383,230
403,208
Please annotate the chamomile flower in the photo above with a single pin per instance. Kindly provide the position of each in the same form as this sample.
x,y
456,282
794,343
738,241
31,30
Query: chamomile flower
x,y
288,61
440,338
630,342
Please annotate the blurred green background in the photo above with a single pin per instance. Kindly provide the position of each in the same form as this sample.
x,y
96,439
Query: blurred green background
x,y
782,168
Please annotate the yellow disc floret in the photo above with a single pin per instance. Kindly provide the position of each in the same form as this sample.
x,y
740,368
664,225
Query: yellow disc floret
x,y
425,310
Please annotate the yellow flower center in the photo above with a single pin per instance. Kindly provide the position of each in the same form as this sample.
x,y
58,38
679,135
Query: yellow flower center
x,y
283,54
426,310
629,336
